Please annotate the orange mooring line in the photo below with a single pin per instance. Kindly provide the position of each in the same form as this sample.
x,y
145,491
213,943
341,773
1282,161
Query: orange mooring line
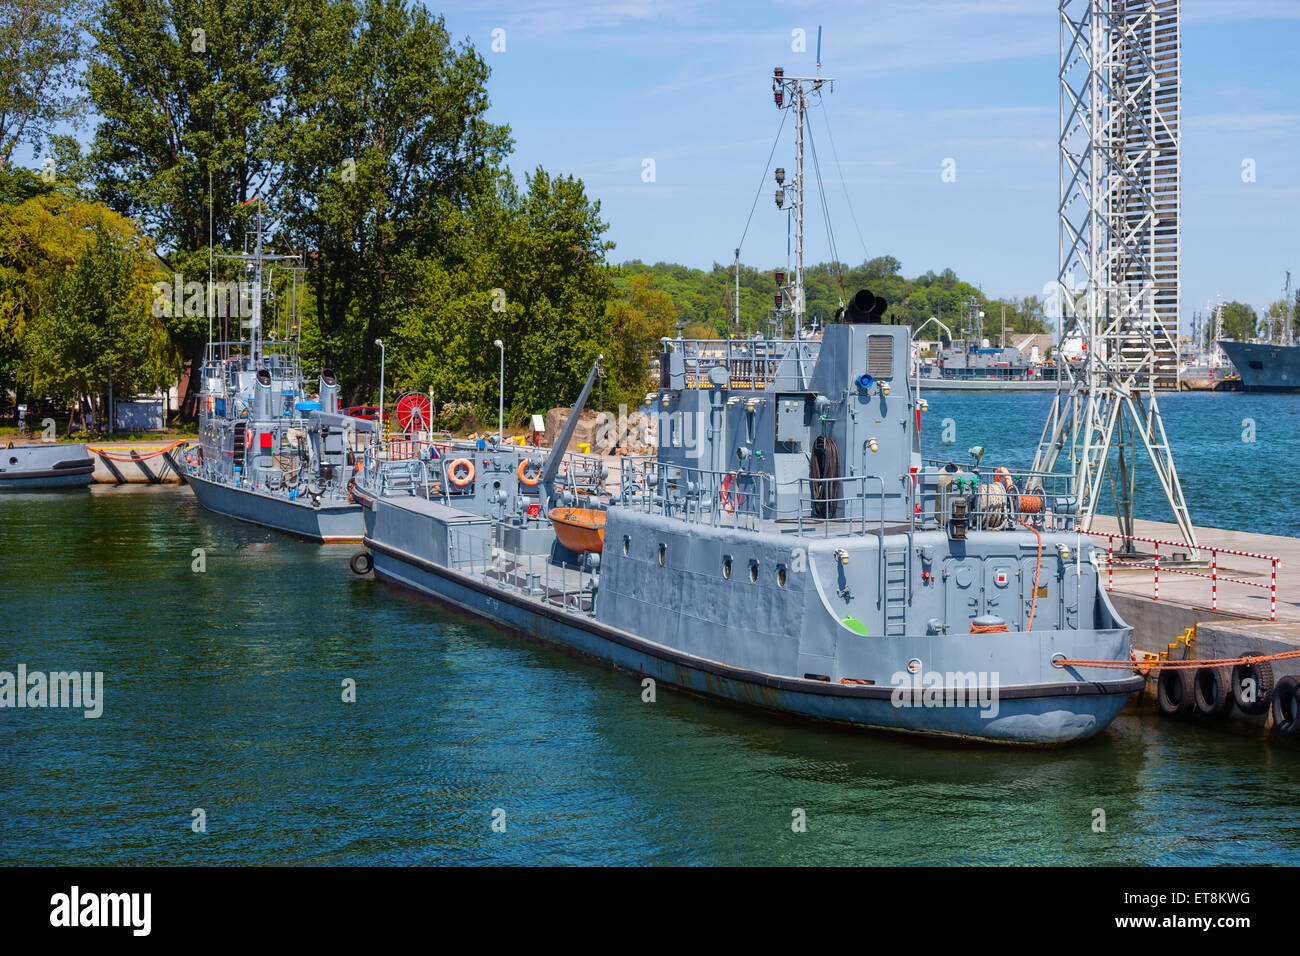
x,y
137,456
1143,666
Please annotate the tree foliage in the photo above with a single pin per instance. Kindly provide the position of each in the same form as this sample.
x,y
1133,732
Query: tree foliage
x,y
97,333
704,298
40,49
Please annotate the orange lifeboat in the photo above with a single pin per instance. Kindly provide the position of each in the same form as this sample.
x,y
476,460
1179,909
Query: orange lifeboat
x,y
579,529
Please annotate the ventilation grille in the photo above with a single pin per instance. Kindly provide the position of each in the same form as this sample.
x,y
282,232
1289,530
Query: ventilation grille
x,y
880,356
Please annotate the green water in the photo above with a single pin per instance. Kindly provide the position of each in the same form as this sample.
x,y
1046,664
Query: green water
x,y
223,692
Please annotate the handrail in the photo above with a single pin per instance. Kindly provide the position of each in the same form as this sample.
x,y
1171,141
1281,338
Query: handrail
x,y
1213,577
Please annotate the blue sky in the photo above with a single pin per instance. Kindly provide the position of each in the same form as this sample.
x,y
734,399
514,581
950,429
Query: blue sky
x,y
593,89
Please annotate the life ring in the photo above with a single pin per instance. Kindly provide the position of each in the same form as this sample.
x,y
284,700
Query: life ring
x,y
524,479
460,472
730,500
1003,477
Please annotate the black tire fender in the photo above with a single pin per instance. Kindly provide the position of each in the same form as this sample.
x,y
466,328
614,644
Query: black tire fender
x,y
1286,707
361,562
1213,691
1261,672
1175,691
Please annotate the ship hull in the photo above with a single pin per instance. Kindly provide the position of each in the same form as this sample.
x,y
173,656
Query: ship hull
x,y
38,467
986,385
1264,367
326,524
1042,714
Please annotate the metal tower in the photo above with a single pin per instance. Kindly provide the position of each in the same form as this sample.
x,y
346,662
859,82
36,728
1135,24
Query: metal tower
x,y
1119,232
794,92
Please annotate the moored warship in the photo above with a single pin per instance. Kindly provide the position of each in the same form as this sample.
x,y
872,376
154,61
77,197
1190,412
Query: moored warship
x,y
269,452
787,548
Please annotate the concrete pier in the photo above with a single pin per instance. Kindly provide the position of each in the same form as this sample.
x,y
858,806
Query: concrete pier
x,y
136,462
1239,626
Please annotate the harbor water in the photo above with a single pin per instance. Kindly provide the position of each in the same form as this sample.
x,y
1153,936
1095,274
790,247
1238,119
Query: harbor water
x,y
224,690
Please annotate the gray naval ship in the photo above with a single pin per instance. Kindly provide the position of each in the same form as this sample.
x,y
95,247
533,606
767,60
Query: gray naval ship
x,y
972,364
787,548
1265,366
269,452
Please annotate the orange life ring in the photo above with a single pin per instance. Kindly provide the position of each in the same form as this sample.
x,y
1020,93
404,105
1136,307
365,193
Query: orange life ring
x,y
523,478
730,501
460,472
1003,477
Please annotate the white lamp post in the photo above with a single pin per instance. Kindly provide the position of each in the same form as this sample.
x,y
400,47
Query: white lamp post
x,y
501,390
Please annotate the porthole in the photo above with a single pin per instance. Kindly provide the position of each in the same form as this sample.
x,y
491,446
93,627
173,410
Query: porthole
x,y
726,566
663,554
780,576
627,544
753,572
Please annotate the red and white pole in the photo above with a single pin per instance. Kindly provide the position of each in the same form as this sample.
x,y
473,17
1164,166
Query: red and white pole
x,y
1272,593
1110,564
1156,566
1214,580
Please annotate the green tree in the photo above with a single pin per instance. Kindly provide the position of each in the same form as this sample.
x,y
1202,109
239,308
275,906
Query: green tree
x,y
636,324
1240,321
523,266
40,49
388,130
97,332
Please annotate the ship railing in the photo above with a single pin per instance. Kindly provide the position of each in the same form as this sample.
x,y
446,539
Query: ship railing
x,y
1127,559
857,504
749,363
998,499
582,474
725,499
534,575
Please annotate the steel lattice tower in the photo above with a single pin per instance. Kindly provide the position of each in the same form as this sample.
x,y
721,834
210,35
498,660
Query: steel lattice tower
x,y
1120,247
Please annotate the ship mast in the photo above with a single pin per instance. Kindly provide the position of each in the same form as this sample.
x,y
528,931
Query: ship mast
x,y
1288,337
795,92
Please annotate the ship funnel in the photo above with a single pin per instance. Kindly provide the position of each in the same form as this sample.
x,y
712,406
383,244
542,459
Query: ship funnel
x,y
862,307
329,392
262,396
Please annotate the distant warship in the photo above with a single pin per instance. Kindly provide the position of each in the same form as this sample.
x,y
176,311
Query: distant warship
x,y
973,364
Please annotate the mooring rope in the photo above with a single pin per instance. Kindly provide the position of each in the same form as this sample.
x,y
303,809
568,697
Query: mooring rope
x,y
135,457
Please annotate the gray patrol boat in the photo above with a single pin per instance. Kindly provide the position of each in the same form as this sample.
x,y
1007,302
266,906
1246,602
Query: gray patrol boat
x,y
36,467
787,548
269,452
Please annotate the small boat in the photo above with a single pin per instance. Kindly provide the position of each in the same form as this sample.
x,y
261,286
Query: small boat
x,y
24,467
581,530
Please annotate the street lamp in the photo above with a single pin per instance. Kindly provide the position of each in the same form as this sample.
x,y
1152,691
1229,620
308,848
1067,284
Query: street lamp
x,y
501,390
380,343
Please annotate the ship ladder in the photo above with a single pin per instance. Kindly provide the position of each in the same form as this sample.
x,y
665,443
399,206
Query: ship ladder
x,y
894,590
